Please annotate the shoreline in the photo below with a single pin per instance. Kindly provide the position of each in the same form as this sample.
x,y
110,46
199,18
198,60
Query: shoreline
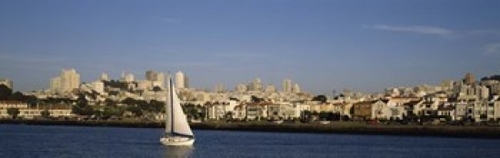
x,y
491,132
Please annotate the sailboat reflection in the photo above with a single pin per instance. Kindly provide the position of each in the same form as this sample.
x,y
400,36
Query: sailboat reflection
x,y
178,151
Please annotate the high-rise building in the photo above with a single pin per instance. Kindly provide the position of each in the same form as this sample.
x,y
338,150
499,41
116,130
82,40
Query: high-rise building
x,y
469,79
55,84
270,88
127,77
66,82
240,88
180,80
156,78
219,88
296,88
98,86
287,86
150,75
8,83
104,77
186,82
256,85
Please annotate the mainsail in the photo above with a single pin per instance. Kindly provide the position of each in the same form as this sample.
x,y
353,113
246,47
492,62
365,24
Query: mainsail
x,y
176,121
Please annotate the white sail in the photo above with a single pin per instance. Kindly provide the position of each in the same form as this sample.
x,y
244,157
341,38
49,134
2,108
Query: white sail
x,y
176,121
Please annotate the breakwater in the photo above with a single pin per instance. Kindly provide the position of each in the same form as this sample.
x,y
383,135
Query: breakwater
x,y
336,128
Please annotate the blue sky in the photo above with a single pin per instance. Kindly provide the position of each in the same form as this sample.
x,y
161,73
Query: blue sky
x,y
322,45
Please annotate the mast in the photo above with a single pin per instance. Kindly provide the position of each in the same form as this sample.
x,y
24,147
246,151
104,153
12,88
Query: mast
x,y
171,99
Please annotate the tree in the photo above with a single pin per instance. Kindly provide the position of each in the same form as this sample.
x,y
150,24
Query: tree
x,y
5,92
156,89
82,106
135,110
14,112
229,115
256,99
45,113
320,98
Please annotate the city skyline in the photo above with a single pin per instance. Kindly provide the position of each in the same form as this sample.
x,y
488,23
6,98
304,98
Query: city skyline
x,y
323,45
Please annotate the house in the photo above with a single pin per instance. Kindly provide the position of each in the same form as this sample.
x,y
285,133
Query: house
x,y
496,109
240,112
412,107
218,110
257,111
462,111
283,111
446,112
367,110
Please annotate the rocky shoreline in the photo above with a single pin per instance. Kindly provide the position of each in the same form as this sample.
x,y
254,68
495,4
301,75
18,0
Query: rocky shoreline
x,y
492,132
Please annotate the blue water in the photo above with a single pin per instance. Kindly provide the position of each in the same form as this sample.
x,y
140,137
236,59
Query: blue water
x,y
68,141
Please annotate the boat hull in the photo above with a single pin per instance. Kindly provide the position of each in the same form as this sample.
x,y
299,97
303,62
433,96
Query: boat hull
x,y
177,141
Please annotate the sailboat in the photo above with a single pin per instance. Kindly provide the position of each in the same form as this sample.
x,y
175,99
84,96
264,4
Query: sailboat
x,y
177,130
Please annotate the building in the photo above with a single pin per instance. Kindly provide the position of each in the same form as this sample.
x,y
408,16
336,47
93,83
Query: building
x,y
128,77
7,83
180,80
67,81
287,86
98,86
469,79
104,77
296,88
367,110
240,88
270,88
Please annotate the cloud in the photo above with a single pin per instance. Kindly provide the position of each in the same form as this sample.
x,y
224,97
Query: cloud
x,y
492,49
414,29
486,32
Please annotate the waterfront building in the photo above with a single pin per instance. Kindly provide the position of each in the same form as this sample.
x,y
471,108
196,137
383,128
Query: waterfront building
x,y
8,83
367,110
496,109
30,113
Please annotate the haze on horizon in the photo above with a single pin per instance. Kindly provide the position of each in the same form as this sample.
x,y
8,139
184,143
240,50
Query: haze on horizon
x,y
322,45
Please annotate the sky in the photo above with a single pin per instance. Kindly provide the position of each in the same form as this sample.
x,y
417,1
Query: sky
x,y
361,45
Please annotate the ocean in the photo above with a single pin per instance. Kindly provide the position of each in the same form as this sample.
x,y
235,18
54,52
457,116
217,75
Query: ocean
x,y
19,141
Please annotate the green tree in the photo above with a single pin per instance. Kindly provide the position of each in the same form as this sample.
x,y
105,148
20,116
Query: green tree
x,y
5,92
82,106
320,98
135,110
14,112
45,113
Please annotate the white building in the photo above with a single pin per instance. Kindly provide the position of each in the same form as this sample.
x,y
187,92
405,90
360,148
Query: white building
x,y
128,77
104,77
180,80
287,86
98,86
66,82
